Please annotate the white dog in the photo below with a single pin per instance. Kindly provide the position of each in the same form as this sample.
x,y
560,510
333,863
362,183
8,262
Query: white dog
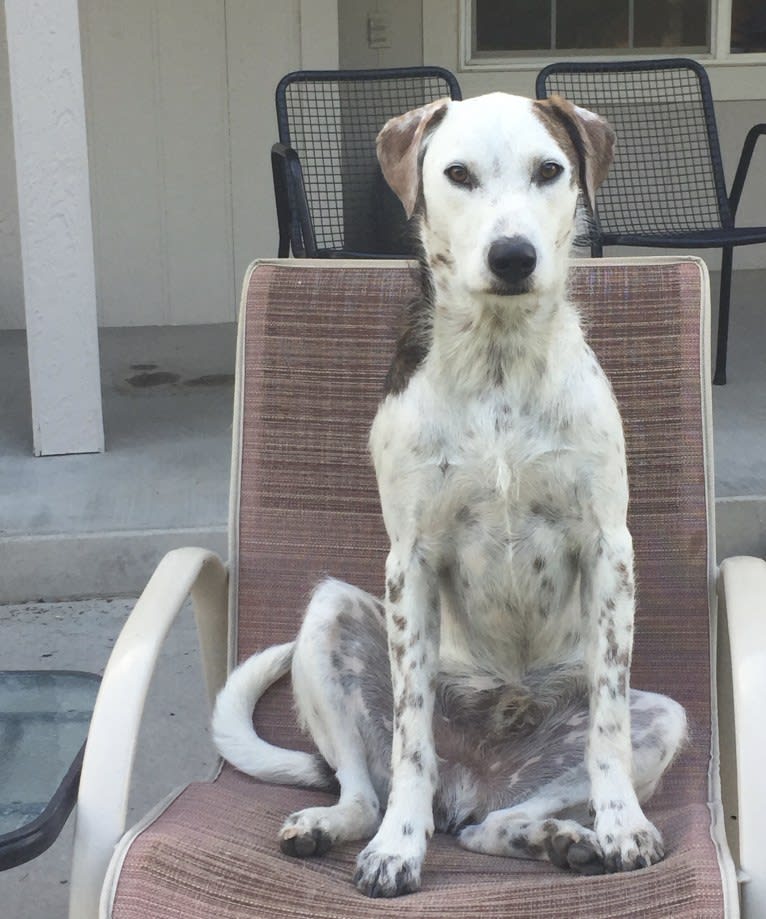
x,y
508,618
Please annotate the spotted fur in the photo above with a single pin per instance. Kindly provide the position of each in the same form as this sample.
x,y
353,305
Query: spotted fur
x,y
489,694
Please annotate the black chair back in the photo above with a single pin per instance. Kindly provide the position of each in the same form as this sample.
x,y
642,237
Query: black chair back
x,y
331,119
667,178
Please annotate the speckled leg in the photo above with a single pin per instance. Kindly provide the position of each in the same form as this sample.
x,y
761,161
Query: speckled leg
x,y
341,643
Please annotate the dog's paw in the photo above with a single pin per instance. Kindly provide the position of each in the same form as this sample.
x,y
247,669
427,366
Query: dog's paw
x,y
381,874
630,848
302,837
303,845
577,850
564,843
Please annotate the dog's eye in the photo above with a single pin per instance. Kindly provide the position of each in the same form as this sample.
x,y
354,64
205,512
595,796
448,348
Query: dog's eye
x,y
549,171
458,174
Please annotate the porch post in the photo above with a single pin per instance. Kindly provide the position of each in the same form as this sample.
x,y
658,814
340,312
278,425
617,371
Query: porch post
x,y
55,225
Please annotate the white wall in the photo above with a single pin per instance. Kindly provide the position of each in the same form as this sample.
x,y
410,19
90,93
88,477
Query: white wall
x,y
155,87
11,279
406,18
180,106
180,96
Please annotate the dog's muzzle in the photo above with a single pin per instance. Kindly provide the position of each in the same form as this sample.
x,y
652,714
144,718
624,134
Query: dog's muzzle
x,y
512,259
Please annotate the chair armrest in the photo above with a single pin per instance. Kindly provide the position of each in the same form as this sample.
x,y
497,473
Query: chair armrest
x,y
742,167
105,780
293,216
742,690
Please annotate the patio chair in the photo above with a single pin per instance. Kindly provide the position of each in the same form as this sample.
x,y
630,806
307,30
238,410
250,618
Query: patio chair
x,y
314,336
666,187
332,200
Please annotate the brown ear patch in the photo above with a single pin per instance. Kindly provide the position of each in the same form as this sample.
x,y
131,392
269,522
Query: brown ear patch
x,y
398,147
586,138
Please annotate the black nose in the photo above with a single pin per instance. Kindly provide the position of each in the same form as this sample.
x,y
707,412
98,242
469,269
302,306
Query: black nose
x,y
512,258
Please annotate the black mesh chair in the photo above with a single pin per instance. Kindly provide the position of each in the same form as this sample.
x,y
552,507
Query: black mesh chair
x,y
332,200
666,187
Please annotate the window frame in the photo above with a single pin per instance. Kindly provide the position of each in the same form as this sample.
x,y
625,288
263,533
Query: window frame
x,y
718,55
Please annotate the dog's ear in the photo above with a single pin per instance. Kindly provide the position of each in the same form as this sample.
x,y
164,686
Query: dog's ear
x,y
398,146
591,137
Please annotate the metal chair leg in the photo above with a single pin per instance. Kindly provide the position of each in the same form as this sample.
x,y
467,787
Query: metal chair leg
x,y
719,377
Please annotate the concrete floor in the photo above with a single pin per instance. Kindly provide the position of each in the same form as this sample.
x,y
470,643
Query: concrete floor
x,y
97,525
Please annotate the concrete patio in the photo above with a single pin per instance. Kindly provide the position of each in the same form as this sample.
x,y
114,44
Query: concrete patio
x,y
95,526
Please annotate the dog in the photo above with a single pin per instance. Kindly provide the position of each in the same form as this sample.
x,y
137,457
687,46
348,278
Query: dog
x,y
488,695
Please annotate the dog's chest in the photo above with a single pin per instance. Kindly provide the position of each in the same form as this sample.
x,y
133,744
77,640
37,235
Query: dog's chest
x,y
490,491
512,506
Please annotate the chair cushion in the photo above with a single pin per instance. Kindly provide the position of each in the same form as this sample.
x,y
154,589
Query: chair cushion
x,y
214,853
317,344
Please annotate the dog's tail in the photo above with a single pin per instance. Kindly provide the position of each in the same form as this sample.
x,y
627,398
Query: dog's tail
x,y
234,735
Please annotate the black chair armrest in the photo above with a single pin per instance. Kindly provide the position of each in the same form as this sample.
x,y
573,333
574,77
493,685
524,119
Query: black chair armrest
x,y
293,217
744,164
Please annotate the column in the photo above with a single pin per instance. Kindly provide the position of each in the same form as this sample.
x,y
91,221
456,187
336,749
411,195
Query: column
x,y
55,225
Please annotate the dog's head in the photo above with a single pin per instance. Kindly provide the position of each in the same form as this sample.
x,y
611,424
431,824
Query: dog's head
x,y
495,182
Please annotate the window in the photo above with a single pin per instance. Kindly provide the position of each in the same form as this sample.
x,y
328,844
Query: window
x,y
538,26
506,31
748,26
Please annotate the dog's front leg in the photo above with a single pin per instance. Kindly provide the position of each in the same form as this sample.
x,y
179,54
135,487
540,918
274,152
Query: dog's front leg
x,y
627,838
390,865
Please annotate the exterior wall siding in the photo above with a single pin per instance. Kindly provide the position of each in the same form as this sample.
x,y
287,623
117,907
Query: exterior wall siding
x,y
180,118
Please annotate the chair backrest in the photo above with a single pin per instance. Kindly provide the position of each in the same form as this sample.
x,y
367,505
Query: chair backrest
x,y
667,175
331,118
316,337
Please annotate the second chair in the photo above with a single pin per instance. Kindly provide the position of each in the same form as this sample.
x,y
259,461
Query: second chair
x,y
332,200
666,187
